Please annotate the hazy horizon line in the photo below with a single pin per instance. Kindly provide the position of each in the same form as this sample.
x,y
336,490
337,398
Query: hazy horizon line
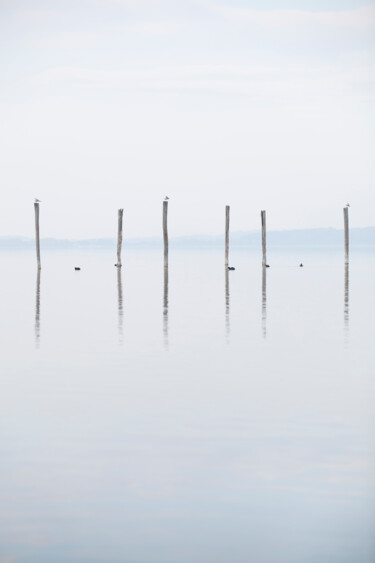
x,y
289,237
237,231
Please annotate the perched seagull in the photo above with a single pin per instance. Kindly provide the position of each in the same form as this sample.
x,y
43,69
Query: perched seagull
x,y
348,205
37,200
166,198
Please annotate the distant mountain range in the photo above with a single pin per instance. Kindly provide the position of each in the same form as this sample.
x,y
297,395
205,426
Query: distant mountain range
x,y
283,239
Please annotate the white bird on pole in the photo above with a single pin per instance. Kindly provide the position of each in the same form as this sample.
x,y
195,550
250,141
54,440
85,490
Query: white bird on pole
x,y
348,205
166,198
37,200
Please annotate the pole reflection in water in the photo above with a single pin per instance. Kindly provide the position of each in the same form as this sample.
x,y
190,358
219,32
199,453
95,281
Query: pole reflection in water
x,y
346,301
165,308
120,305
227,304
37,310
264,301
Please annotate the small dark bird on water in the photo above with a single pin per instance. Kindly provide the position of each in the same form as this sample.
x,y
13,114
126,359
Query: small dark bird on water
x,y
301,265
76,268
231,268
267,265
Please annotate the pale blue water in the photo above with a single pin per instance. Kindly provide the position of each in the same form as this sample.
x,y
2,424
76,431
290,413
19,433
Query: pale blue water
x,y
201,421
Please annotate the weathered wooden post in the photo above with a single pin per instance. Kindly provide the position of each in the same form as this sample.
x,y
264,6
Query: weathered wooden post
x,y
346,230
119,238
165,232
36,208
227,213
264,257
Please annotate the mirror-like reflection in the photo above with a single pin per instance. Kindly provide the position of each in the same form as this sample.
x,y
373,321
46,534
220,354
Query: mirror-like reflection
x,y
37,310
222,435
165,308
264,301
120,306
227,303
346,300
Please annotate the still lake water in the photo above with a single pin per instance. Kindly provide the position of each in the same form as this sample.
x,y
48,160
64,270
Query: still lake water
x,y
199,418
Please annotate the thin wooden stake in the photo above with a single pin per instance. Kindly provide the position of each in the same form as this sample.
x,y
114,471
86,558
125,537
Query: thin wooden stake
x,y
346,229
165,232
227,213
119,238
264,245
36,208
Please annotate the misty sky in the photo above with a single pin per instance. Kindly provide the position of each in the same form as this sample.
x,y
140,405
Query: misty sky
x,y
259,104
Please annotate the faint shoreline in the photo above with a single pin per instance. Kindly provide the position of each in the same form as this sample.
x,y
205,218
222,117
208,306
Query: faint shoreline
x,y
311,238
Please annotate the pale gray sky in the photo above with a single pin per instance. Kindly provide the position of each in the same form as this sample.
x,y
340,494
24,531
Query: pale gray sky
x,y
115,103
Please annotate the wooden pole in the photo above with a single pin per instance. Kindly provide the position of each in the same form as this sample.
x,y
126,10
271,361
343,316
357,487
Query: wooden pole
x,y
346,229
263,217
165,232
119,238
227,213
36,209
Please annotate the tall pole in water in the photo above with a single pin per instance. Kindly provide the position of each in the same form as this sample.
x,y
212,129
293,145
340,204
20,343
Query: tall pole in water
x,y
165,232
36,209
263,218
119,238
227,212
346,230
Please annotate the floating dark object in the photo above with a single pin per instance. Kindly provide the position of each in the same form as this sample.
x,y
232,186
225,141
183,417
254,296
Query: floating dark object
x,y
267,265
76,268
231,268
301,265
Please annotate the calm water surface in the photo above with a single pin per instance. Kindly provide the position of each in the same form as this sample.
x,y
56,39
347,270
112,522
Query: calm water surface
x,y
188,416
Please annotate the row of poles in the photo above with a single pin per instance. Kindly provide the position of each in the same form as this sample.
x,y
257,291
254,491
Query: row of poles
x,y
165,235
